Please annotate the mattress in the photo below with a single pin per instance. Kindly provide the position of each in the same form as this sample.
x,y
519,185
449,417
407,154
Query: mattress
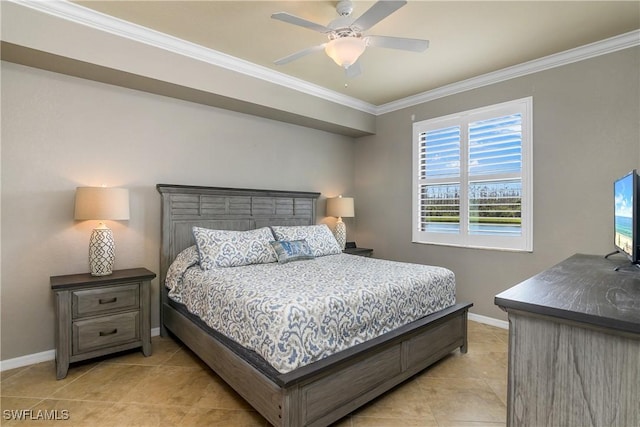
x,y
297,313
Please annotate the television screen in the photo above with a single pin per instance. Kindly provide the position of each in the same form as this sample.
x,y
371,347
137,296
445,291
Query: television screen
x,y
626,215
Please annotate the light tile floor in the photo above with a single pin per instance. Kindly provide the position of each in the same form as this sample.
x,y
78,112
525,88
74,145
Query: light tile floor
x,y
173,387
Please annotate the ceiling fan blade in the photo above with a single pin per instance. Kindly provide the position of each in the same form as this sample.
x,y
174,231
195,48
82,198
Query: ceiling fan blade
x,y
377,13
414,45
292,19
299,54
354,70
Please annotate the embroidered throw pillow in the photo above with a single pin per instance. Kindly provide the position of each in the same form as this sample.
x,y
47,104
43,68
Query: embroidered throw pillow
x,y
291,250
319,237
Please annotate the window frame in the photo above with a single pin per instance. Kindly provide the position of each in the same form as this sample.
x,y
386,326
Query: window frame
x,y
524,242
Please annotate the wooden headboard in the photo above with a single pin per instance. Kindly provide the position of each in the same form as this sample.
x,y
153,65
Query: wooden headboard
x,y
186,206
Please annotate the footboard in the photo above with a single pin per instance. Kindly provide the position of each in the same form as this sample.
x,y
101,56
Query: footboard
x,y
374,370
307,396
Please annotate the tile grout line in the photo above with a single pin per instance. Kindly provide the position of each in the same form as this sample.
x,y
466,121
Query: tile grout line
x,y
75,379
51,395
105,363
114,402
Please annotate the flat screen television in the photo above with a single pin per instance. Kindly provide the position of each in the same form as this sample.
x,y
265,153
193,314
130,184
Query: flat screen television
x,y
626,192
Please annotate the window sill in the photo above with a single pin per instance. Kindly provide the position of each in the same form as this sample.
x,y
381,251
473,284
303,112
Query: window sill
x,y
453,245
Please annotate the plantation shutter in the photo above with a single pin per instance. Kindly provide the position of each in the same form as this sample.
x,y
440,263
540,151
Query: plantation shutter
x,y
440,153
472,178
440,176
495,168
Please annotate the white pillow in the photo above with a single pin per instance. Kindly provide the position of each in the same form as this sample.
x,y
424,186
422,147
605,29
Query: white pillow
x,y
226,248
320,239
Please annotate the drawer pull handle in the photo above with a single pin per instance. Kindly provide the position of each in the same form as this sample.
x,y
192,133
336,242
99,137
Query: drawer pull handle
x,y
104,334
107,301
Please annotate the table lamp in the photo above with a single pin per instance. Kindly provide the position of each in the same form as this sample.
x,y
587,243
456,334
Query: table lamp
x,y
101,203
341,207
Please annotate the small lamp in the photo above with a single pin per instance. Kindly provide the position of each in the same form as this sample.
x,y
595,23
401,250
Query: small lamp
x,y
341,207
101,203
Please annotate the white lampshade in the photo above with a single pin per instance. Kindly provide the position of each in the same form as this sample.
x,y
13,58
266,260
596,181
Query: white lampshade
x,y
100,203
341,207
345,51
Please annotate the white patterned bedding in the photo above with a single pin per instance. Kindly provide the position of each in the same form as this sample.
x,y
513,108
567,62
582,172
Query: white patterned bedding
x,y
297,313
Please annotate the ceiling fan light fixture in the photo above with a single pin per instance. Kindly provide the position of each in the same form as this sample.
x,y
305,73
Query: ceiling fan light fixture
x,y
345,51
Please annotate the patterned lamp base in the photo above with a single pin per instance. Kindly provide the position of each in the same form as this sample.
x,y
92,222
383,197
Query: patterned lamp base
x,y
101,251
341,233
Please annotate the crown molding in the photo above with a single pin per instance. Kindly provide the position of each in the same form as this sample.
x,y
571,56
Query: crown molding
x,y
84,16
99,21
581,53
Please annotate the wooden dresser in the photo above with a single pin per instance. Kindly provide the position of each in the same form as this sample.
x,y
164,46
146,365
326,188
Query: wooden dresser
x,y
574,345
101,315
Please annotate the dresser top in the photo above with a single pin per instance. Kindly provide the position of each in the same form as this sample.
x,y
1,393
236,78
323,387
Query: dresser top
x,y
87,280
582,288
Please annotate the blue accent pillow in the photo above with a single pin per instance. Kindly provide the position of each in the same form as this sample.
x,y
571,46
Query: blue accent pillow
x,y
319,237
291,250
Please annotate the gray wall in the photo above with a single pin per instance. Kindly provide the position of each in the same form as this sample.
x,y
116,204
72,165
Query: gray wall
x,y
59,132
586,133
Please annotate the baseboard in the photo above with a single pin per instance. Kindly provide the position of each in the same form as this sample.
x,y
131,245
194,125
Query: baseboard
x,y
489,321
45,356
29,359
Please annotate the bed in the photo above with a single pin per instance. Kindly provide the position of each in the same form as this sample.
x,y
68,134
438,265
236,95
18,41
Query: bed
x,y
306,395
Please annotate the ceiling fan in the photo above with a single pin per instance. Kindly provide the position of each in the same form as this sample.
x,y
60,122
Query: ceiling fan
x,y
346,40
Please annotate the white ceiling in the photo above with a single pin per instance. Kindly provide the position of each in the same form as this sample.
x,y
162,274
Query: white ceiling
x,y
467,38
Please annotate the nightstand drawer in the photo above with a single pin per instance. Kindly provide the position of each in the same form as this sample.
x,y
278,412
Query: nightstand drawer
x,y
90,302
106,331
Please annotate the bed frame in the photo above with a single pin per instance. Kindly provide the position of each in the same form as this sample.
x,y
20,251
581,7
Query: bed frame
x,y
322,392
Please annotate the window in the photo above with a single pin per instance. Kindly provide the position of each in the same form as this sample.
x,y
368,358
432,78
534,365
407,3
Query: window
x,y
472,183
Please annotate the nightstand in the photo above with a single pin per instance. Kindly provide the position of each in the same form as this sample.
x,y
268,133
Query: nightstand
x,y
96,316
358,251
